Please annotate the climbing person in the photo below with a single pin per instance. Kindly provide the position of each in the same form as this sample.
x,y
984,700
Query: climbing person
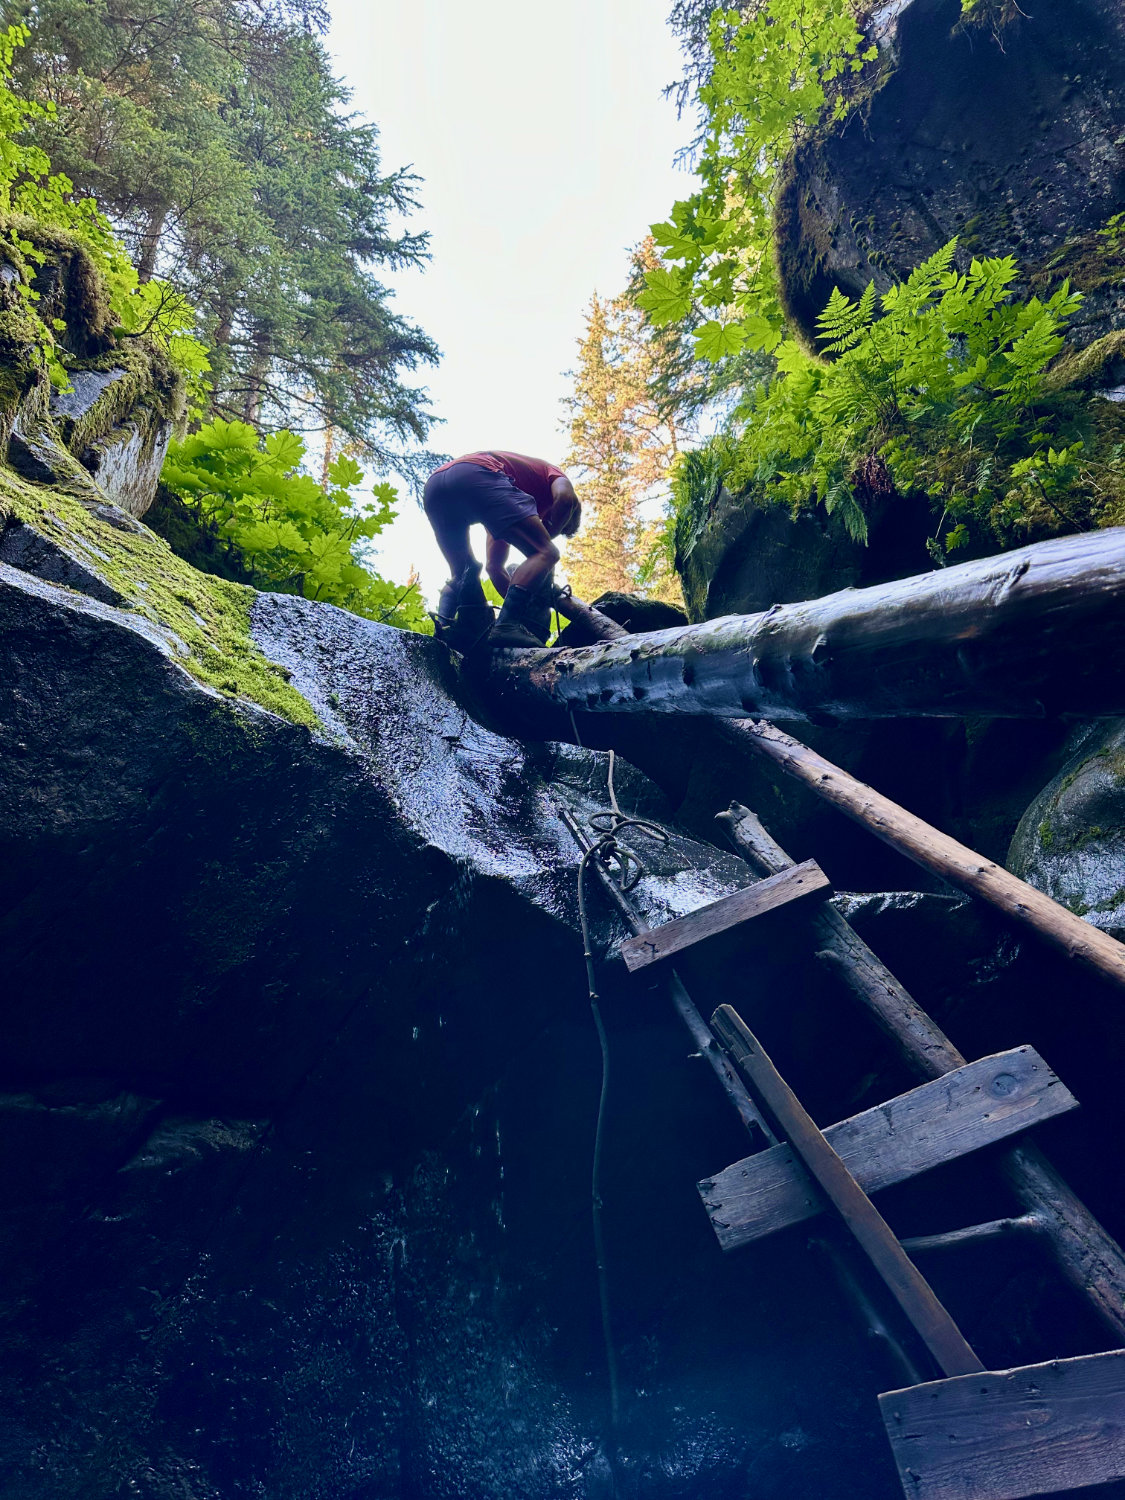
x,y
521,502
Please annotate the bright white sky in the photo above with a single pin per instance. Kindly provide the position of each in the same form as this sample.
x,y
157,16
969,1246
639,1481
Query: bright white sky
x,y
545,150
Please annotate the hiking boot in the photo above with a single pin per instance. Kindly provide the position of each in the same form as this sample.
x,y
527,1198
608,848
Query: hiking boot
x,y
515,627
464,592
473,623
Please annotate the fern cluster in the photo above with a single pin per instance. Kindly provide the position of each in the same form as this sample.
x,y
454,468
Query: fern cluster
x,y
937,385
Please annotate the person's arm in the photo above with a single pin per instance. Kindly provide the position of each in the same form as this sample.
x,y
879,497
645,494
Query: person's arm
x,y
495,559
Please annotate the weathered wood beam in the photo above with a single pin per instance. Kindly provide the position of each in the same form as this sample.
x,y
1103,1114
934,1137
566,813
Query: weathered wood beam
x,y
940,1121
1010,1434
684,1006
903,1280
936,851
953,1239
1089,1258
656,943
1032,632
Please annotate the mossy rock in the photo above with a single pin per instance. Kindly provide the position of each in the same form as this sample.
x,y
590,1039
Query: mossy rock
x,y
1070,842
749,554
68,284
119,416
69,533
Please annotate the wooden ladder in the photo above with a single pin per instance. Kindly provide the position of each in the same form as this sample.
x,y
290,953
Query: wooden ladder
x,y
975,1434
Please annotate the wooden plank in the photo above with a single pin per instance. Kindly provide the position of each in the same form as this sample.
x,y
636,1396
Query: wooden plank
x,y
650,947
978,1104
901,1276
1009,1434
708,1048
1089,1258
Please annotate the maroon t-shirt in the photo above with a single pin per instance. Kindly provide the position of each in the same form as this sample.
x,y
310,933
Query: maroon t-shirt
x,y
534,476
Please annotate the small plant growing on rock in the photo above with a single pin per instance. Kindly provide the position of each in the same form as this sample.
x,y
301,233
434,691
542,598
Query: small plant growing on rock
x,y
937,385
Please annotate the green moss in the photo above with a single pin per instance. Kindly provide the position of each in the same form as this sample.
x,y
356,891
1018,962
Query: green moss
x,y
1088,261
69,276
1086,369
1046,835
1111,903
150,385
206,619
988,15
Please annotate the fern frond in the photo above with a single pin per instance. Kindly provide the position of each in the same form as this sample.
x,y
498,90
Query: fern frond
x,y
843,322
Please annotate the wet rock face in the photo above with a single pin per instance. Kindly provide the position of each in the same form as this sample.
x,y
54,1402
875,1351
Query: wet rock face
x,y
1071,841
1012,142
124,456
301,1079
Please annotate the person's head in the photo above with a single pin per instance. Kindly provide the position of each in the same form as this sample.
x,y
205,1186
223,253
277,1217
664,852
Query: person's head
x,y
565,514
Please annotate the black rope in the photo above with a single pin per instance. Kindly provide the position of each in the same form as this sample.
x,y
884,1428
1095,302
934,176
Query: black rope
x,y
625,868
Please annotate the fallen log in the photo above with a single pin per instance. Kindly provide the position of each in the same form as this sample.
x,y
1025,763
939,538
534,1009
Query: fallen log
x,y
1027,634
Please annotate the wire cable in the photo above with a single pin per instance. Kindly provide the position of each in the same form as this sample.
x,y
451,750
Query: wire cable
x,y
626,868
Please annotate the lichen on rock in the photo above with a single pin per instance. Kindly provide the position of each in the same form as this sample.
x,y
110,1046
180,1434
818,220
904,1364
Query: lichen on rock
x,y
1070,842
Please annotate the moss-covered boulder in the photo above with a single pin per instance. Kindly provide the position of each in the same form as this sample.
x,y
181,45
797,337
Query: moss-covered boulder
x,y
112,403
1071,841
118,417
1002,126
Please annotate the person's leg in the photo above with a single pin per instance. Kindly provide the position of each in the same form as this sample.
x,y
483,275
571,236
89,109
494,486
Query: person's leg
x,y
526,613
447,515
531,537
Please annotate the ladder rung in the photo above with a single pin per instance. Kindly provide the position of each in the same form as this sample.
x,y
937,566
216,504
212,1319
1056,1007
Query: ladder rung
x,y
1010,1434
799,881
993,1230
937,1122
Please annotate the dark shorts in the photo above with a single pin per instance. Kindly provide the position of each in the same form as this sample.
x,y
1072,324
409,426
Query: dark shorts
x,y
465,494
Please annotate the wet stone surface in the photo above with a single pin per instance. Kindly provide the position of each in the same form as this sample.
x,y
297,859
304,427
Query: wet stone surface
x,y
302,1077
300,1082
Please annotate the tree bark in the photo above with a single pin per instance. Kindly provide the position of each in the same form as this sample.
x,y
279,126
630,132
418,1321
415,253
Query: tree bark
x,y
150,242
937,852
1024,635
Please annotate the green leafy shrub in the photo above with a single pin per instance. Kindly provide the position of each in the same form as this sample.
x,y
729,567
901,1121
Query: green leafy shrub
x,y
286,532
776,67
938,385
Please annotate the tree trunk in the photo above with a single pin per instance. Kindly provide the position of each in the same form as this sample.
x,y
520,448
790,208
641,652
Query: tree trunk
x,y
256,377
1024,635
150,242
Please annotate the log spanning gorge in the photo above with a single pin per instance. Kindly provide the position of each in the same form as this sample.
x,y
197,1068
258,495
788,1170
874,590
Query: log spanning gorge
x,y
1033,632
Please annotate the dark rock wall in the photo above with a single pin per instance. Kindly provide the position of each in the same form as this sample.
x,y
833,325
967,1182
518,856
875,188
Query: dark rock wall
x,y
301,1082
299,1092
1012,141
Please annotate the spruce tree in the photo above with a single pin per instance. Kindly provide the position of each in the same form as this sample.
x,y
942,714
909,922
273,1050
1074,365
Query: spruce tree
x,y
216,138
637,391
